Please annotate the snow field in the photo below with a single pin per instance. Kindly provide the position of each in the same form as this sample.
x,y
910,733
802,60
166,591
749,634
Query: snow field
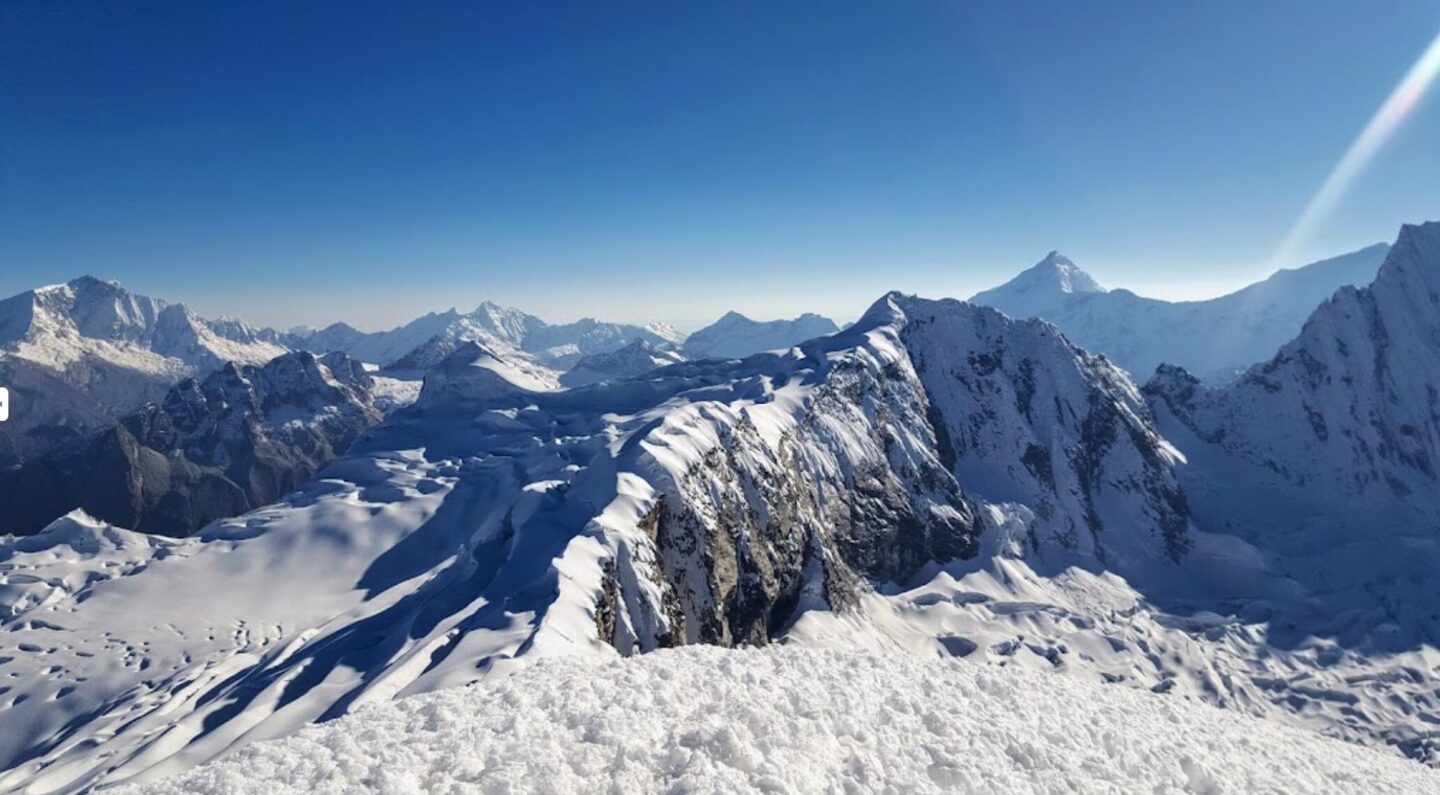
x,y
790,720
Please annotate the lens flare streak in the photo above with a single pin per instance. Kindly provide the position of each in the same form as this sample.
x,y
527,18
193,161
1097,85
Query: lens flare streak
x,y
1382,126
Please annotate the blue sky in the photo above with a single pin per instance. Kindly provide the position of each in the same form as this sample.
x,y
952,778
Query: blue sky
x,y
304,162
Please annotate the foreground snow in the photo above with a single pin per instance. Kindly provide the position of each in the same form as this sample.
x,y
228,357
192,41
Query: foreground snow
x,y
791,720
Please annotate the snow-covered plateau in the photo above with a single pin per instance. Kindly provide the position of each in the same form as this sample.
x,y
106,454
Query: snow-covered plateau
x,y
791,720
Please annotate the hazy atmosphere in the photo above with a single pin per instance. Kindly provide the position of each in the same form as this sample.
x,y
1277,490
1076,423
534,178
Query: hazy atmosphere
x,y
670,162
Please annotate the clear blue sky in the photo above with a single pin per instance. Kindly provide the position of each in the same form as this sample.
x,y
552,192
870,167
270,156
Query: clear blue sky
x,y
307,162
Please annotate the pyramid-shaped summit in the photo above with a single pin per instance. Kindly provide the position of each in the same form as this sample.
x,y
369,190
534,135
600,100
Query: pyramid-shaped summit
x,y
1039,288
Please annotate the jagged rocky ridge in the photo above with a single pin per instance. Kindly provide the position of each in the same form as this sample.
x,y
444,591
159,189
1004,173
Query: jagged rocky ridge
x,y
709,502
241,438
1350,409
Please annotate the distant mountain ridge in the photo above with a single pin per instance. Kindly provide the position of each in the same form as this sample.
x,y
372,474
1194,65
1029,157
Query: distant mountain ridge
x,y
553,345
1214,339
736,336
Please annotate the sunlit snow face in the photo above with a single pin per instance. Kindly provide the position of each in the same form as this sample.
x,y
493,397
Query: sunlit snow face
x,y
1381,127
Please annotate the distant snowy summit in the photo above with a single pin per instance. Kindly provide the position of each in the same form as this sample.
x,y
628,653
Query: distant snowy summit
x,y
1039,289
1215,339
736,336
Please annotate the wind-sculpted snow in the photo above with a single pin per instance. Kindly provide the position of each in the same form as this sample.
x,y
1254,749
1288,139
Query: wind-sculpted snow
x,y
797,721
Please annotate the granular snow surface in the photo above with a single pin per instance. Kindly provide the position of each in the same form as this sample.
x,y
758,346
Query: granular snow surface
x,y
785,719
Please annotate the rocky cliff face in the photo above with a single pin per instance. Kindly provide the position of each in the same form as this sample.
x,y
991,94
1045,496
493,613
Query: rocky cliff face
x,y
242,437
1025,417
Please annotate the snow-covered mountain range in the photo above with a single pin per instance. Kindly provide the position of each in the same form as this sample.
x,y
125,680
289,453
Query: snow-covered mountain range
x,y
938,479
1215,339
78,356
1326,455
555,346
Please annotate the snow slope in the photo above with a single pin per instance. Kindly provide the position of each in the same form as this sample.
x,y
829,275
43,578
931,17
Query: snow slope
x,y
637,358
792,720
1214,339
736,336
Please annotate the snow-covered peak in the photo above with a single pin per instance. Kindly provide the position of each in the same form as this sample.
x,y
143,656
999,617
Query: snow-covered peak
x,y
473,369
1039,288
735,336
83,307
1411,273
